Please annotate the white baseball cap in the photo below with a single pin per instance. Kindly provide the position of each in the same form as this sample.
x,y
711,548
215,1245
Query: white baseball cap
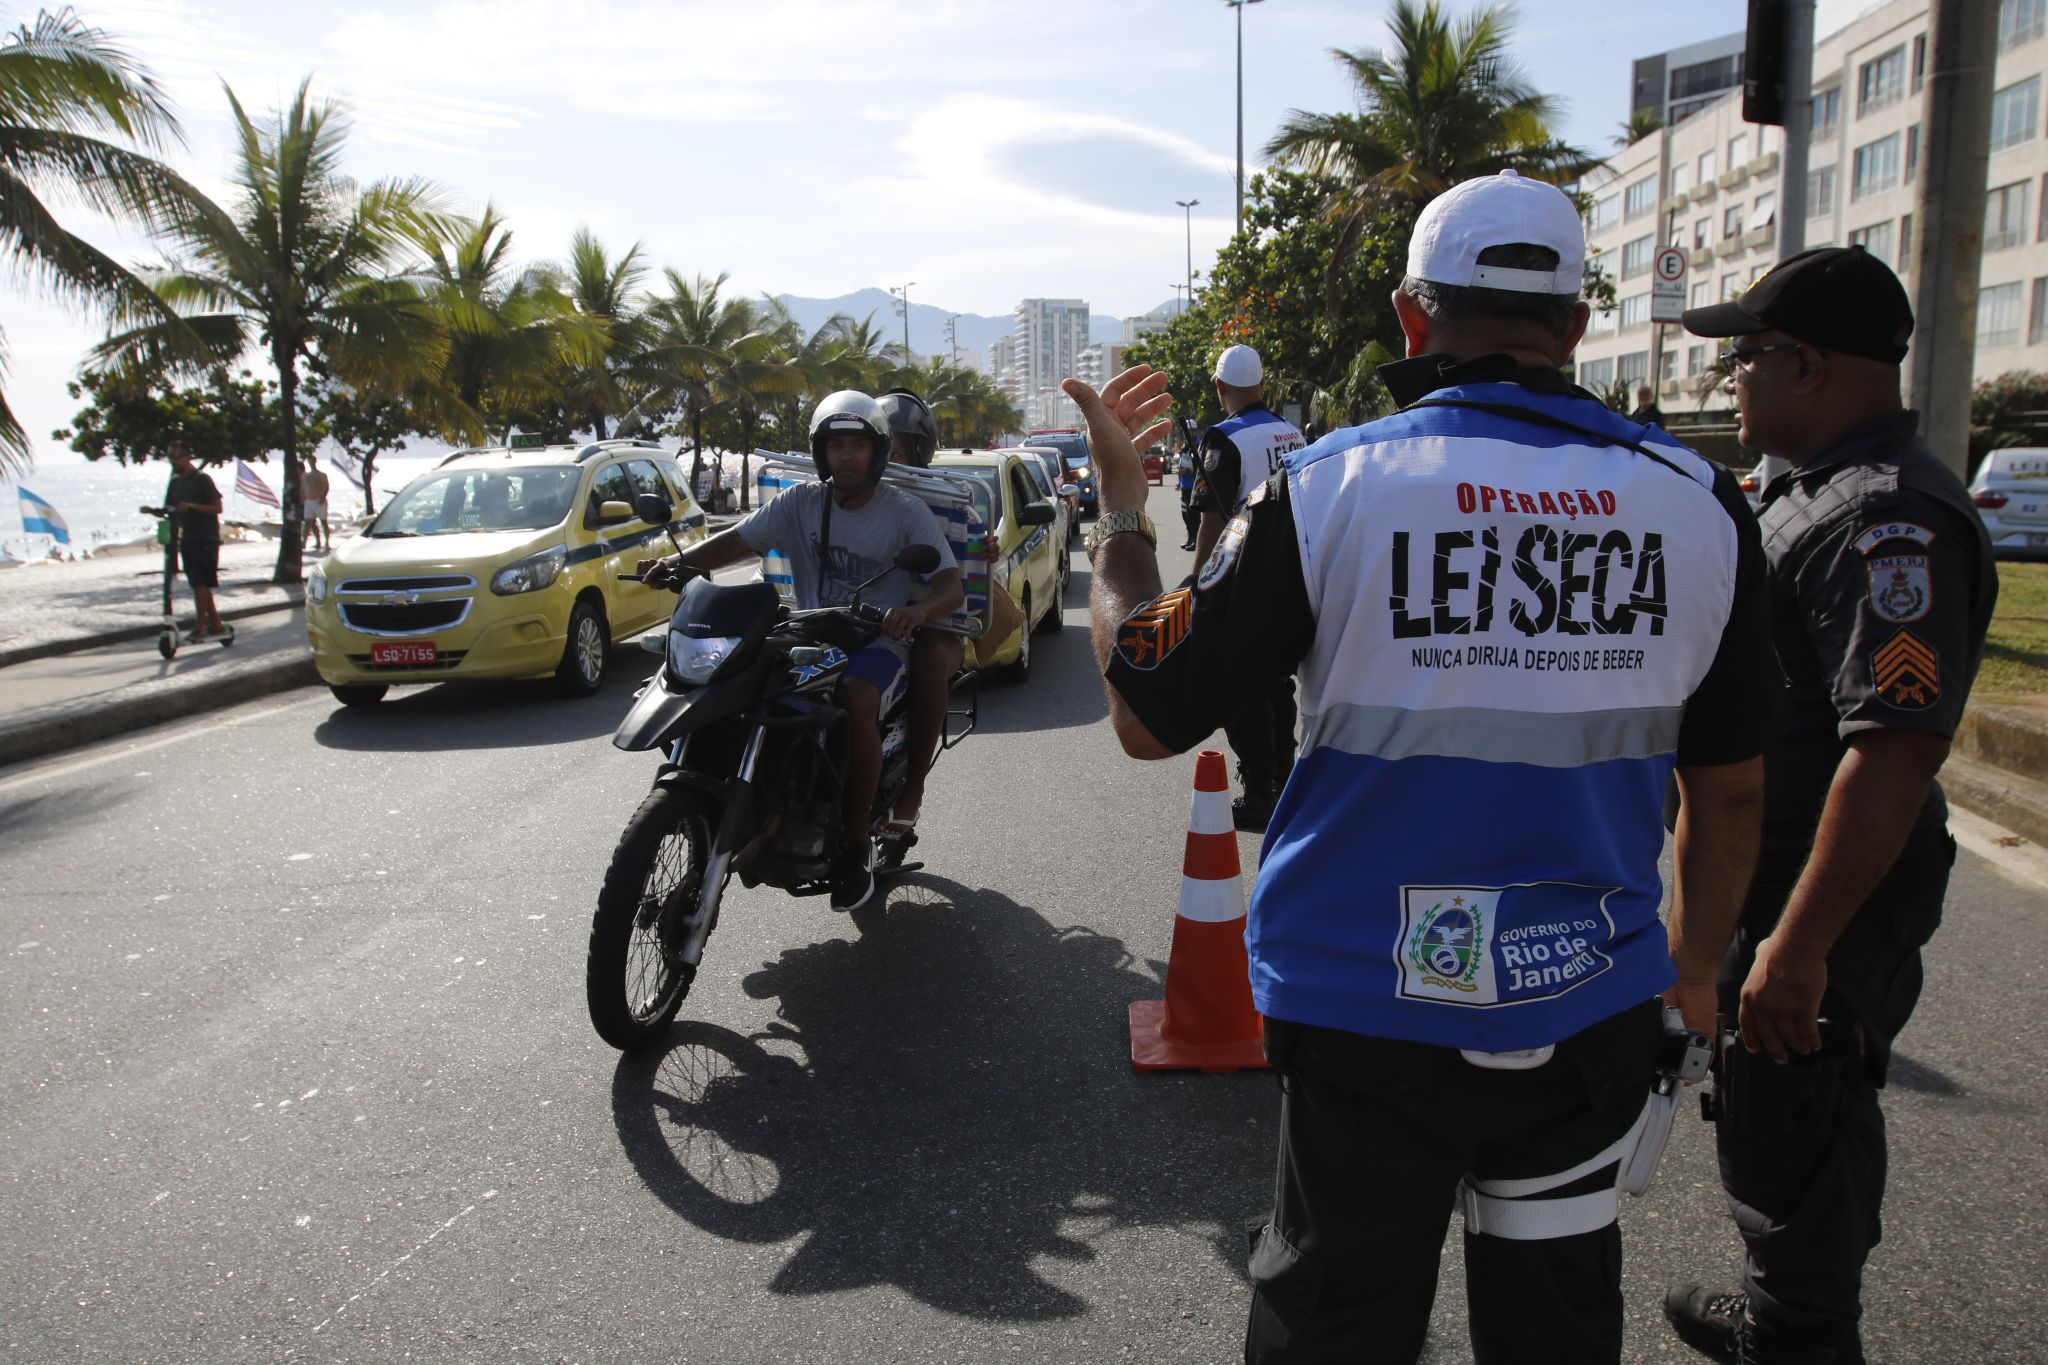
x,y
1498,210
1239,367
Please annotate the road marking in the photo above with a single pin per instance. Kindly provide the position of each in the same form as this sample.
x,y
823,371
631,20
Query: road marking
x,y
385,1273
1999,846
116,749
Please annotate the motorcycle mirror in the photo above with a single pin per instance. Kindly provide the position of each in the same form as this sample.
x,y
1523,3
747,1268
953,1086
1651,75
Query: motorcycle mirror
x,y
654,509
918,558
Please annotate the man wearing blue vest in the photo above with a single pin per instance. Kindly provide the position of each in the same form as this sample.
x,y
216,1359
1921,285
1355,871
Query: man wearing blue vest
x,y
1513,615
1238,454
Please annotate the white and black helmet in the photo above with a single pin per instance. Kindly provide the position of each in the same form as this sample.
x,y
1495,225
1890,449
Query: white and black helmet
x,y
850,412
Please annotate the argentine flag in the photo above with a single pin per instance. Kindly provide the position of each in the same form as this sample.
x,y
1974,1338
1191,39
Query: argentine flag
x,y
39,518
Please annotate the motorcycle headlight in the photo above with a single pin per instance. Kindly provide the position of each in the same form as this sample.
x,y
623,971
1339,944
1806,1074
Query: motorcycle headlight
x,y
316,586
695,659
532,573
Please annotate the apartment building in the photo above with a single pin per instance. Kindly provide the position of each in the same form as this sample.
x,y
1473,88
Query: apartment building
x,y
1709,183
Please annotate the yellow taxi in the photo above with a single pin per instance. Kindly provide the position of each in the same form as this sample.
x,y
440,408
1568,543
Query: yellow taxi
x,y
1028,557
499,563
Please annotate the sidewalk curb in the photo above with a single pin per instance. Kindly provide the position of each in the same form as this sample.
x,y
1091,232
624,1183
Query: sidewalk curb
x,y
72,644
56,728
1997,766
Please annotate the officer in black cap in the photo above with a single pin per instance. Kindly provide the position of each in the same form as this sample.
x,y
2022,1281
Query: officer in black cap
x,y
1882,584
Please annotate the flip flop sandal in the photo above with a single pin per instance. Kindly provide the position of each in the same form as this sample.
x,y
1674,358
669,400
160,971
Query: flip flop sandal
x,y
896,827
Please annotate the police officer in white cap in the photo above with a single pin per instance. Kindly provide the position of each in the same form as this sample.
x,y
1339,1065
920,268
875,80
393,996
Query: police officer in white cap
x,y
1513,615
1238,454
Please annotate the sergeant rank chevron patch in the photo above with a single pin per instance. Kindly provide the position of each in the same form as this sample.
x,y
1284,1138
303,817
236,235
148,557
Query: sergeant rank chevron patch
x,y
1907,672
1150,633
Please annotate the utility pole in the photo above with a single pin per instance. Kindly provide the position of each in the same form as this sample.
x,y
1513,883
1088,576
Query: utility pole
x,y
902,294
1798,129
952,340
1239,5
1948,253
1187,207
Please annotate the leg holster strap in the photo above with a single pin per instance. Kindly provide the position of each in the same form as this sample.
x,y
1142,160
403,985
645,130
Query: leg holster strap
x,y
1515,1210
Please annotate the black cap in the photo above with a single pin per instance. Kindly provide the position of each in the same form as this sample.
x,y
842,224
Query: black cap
x,y
1839,298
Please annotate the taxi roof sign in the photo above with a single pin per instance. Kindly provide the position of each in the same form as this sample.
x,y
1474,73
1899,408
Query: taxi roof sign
x,y
522,440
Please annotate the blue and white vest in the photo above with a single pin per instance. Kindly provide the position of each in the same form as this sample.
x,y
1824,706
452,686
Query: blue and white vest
x,y
1509,621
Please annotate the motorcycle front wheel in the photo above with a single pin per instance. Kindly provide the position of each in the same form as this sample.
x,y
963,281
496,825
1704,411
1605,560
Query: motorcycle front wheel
x,y
635,976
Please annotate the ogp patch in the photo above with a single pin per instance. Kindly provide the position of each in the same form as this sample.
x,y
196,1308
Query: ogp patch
x,y
1901,586
1906,672
1156,629
1223,556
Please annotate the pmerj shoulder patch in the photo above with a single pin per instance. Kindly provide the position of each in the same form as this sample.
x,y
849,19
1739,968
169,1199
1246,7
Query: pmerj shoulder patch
x,y
1907,672
1223,556
1156,629
1877,535
1901,586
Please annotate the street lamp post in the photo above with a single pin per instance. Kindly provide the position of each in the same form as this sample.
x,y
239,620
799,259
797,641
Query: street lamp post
x,y
1239,5
1188,212
1179,306
901,293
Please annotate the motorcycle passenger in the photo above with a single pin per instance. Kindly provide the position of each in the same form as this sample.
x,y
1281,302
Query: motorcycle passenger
x,y
839,533
935,655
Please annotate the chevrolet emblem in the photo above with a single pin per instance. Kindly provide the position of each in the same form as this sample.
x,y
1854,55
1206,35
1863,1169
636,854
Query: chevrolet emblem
x,y
400,599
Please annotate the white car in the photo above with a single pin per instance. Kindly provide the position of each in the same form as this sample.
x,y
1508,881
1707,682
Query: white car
x,y
1758,478
2011,493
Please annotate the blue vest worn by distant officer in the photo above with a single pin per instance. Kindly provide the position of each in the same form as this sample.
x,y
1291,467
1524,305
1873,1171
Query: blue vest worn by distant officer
x,y
1240,453
1509,619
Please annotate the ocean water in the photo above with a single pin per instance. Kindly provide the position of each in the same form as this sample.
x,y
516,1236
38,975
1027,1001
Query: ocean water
x,y
99,499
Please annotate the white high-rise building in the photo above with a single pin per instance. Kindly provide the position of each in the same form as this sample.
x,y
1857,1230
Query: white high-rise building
x,y
1144,323
1099,363
1709,183
1049,337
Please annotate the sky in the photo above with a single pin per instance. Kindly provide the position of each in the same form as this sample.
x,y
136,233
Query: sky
x,y
980,152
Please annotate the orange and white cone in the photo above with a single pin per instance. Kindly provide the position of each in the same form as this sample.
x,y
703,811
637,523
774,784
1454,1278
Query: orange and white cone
x,y
1207,1020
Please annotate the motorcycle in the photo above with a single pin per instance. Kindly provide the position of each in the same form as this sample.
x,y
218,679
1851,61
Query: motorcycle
x,y
751,782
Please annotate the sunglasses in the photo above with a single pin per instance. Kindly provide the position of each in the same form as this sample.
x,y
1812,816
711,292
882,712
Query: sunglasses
x,y
1731,357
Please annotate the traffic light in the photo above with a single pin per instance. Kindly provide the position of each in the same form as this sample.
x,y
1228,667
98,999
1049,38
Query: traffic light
x,y
1763,63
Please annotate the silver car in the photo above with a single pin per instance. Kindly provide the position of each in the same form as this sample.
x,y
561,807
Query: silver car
x,y
2011,493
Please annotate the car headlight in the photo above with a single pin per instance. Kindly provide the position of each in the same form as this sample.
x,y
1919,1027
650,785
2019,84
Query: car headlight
x,y
694,659
316,587
1082,471
532,573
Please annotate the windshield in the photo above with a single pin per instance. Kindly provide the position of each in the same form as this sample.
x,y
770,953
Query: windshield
x,y
984,476
458,500
1072,445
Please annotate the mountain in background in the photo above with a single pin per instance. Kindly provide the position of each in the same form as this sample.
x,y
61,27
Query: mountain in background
x,y
973,331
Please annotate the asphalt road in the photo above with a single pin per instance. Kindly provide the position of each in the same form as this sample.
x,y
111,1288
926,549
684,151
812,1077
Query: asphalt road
x,y
296,1066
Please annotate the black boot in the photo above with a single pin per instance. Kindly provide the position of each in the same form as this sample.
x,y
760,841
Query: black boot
x,y
1720,1325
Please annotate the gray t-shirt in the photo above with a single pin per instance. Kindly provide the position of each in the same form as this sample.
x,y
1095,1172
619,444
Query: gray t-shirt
x,y
865,540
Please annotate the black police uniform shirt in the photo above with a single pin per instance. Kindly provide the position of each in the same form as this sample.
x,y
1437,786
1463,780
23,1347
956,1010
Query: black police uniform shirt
x,y
1882,585
1240,453
1510,620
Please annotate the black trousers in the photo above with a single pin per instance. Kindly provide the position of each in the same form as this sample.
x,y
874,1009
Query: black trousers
x,y
1375,1137
1802,1145
1262,737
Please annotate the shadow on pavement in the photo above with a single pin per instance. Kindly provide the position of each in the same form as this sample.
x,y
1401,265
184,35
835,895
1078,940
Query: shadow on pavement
x,y
38,817
1064,689
483,715
942,1105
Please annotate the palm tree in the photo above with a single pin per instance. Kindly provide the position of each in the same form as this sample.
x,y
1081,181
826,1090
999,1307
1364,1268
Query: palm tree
x,y
1638,126
1446,103
513,336
301,263
866,351
65,90
604,288
693,335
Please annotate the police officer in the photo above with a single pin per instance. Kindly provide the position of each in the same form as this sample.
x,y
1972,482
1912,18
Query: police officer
x,y
1238,454
1882,585
1513,614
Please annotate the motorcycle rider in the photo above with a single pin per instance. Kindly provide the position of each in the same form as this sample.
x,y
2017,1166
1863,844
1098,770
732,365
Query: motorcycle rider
x,y
838,533
935,655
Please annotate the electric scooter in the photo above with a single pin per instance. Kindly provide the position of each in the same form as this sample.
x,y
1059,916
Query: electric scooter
x,y
167,634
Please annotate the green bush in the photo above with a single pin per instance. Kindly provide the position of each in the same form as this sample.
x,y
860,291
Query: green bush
x,y
2011,410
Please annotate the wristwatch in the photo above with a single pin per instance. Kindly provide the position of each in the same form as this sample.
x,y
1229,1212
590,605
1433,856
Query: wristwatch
x,y
1115,524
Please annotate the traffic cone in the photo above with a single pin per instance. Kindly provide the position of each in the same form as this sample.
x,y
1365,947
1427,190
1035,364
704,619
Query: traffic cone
x,y
1207,1020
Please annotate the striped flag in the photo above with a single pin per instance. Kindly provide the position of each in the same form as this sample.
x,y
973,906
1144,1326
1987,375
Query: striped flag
x,y
351,468
39,518
251,487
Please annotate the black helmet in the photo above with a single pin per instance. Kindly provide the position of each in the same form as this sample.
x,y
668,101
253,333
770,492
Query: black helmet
x,y
908,415
850,412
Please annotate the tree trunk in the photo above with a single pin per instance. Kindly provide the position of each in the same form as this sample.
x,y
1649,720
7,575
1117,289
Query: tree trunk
x,y
746,457
369,473
696,450
290,554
